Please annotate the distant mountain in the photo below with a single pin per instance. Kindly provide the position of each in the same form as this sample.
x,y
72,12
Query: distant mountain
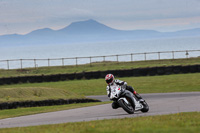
x,y
88,31
87,27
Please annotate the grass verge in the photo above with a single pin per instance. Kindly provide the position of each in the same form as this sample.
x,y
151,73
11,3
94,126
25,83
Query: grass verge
x,y
35,94
99,66
35,110
179,123
147,84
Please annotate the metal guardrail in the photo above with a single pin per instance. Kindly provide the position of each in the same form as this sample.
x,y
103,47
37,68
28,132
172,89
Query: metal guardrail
x,y
34,63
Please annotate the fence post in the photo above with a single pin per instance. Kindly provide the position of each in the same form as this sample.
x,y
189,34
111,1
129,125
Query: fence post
x,y
21,63
48,62
131,57
8,64
186,54
76,61
104,58
63,61
159,55
117,57
172,54
35,63
145,56
90,61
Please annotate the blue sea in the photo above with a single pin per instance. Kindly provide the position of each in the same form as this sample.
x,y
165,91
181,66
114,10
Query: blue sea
x,y
97,49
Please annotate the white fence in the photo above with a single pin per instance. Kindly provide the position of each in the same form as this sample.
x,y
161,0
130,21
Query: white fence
x,y
34,63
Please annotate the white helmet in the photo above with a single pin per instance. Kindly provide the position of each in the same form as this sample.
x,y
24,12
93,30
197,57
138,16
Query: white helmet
x,y
109,78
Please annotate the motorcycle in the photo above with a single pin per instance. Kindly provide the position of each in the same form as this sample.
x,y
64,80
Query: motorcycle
x,y
127,100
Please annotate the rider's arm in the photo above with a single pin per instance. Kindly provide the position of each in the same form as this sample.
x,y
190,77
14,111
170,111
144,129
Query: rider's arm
x,y
108,91
119,82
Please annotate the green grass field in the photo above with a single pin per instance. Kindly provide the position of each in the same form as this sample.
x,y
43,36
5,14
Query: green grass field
x,y
81,88
35,93
100,66
146,84
179,123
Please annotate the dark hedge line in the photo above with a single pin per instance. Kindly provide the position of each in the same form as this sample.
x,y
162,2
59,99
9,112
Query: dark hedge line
x,y
14,105
149,71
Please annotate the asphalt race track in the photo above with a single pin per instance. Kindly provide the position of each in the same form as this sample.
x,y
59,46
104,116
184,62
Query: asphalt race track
x,y
160,103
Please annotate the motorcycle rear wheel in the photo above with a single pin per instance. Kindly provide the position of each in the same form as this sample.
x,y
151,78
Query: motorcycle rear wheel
x,y
127,107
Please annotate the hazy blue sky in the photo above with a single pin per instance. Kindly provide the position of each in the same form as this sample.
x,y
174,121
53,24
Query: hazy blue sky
x,y
23,16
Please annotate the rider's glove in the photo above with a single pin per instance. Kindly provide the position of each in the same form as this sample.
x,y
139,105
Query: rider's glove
x,y
124,86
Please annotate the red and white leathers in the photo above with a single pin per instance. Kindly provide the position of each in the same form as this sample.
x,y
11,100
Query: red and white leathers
x,y
116,82
119,82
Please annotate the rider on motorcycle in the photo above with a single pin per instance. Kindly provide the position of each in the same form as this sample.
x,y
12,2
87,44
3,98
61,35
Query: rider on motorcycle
x,y
110,80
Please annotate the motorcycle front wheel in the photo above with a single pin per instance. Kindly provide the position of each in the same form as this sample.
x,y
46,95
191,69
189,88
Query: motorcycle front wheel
x,y
127,107
145,108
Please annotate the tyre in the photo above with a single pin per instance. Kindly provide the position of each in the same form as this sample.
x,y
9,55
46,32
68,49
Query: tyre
x,y
145,108
127,107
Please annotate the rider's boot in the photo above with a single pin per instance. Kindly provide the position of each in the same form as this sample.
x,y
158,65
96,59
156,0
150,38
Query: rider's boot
x,y
115,105
138,96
